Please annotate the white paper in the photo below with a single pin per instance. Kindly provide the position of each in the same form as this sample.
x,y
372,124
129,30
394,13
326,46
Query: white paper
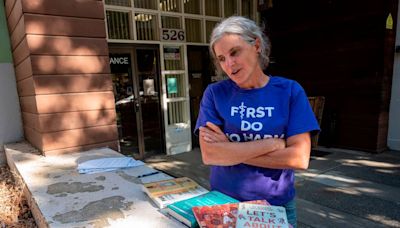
x,y
108,164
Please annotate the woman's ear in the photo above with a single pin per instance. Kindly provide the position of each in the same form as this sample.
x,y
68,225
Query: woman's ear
x,y
257,45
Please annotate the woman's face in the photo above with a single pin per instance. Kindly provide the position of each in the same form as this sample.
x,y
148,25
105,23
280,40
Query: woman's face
x,y
238,59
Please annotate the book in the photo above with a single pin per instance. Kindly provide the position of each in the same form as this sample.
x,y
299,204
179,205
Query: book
x,y
182,210
220,216
163,187
165,192
164,200
254,215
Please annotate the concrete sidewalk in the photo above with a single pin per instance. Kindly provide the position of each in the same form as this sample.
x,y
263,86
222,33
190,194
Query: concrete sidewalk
x,y
341,188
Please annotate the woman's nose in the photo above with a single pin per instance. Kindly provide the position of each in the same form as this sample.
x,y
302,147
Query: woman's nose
x,y
230,61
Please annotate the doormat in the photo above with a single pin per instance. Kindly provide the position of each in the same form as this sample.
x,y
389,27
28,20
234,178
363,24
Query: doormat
x,y
318,153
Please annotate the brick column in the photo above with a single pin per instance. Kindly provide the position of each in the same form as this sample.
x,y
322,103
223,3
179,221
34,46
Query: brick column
x,y
62,71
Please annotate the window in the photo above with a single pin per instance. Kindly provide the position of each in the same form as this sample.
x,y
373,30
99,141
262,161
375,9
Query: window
x,y
177,112
209,27
146,4
170,5
247,8
141,19
118,24
146,26
171,22
173,58
212,8
230,8
119,2
192,6
193,30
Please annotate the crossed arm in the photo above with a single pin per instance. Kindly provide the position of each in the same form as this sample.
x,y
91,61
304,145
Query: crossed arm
x,y
216,149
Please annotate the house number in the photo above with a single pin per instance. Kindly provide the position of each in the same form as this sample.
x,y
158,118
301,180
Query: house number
x,y
172,35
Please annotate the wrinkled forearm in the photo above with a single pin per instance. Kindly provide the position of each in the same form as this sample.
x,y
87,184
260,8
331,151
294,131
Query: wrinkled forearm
x,y
233,153
295,156
286,158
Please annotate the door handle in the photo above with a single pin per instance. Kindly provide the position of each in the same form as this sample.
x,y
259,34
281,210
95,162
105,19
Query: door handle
x,y
137,105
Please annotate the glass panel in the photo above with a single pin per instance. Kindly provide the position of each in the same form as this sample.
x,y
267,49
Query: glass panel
x,y
171,22
146,26
150,100
170,5
177,112
175,85
212,8
247,8
118,2
173,58
118,24
193,30
230,7
121,73
209,27
192,6
146,4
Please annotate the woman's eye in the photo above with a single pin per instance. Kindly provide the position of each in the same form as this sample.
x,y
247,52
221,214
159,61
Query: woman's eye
x,y
221,59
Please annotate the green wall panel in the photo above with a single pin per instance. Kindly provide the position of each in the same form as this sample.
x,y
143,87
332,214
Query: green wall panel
x,y
5,50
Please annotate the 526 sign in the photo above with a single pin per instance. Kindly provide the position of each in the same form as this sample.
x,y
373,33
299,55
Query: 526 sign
x,y
172,35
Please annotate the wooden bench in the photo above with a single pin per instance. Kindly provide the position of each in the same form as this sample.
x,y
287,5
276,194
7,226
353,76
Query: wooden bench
x,y
317,105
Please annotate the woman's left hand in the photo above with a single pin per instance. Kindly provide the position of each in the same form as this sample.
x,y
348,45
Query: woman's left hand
x,y
211,133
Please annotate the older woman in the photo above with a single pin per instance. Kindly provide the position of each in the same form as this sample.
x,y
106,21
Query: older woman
x,y
254,128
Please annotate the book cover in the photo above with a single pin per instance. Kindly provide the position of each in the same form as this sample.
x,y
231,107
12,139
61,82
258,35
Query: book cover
x,y
220,216
182,210
171,186
254,215
163,200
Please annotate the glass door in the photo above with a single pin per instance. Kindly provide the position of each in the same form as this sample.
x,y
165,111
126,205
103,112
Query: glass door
x,y
135,76
147,68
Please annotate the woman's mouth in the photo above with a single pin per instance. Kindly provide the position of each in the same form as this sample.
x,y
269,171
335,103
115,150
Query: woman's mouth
x,y
234,72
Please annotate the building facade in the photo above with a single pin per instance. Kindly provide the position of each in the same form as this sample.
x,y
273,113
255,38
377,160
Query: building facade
x,y
129,74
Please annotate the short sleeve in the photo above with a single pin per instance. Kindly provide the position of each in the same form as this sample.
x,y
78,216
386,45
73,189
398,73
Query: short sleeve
x,y
208,111
301,117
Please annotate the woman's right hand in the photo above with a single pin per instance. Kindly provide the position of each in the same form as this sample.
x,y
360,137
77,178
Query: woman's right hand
x,y
211,133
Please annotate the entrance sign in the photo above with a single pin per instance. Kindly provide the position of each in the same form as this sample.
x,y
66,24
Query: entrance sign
x,y
177,35
119,60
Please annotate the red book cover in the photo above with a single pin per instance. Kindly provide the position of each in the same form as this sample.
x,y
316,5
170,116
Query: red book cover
x,y
220,216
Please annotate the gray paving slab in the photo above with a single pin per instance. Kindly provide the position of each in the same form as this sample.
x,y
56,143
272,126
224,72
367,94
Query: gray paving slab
x,y
323,164
350,202
381,172
310,214
368,188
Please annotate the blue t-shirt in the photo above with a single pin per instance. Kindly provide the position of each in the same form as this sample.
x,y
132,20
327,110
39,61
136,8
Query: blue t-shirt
x,y
280,109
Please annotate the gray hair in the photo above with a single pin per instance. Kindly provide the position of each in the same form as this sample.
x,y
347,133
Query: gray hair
x,y
247,30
